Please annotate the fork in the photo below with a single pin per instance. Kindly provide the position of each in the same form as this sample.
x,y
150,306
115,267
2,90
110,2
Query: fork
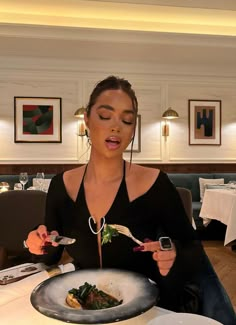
x,y
125,231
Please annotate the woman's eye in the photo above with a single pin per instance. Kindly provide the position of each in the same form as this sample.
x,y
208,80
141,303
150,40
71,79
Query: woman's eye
x,y
104,117
128,122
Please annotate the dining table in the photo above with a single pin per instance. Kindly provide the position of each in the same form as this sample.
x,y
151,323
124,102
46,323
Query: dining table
x,y
16,307
220,204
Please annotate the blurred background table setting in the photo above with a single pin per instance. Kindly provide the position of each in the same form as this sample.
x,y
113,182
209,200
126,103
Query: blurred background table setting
x,y
220,204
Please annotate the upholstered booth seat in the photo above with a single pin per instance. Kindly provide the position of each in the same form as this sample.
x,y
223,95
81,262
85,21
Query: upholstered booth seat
x,y
3,258
191,182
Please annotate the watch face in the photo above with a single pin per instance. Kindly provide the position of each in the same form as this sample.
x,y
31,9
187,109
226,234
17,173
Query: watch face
x,y
165,243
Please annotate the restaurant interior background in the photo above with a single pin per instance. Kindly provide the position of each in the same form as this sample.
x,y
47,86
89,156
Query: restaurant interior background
x,y
171,51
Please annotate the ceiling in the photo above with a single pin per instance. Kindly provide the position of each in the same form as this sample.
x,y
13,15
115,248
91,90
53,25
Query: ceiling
x,y
187,31
186,16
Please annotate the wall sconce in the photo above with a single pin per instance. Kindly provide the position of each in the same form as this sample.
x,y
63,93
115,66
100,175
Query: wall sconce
x,y
169,114
79,113
4,186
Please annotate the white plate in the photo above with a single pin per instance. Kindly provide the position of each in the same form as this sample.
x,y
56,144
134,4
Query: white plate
x,y
136,291
183,319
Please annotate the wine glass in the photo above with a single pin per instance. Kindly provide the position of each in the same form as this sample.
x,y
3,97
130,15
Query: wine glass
x,y
17,187
40,178
23,178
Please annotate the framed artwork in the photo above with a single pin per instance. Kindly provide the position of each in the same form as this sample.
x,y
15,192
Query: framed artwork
x,y
204,122
37,119
137,138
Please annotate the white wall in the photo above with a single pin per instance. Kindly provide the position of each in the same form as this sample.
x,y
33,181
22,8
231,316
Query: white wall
x,y
157,87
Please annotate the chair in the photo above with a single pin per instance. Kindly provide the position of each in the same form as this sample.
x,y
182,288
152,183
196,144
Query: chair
x,y
20,211
186,197
3,258
215,301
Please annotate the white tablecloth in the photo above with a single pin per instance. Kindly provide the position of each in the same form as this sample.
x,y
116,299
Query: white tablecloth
x,y
221,205
45,184
16,308
21,312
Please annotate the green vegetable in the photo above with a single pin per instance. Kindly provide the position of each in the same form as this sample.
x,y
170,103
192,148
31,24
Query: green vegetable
x,y
91,298
108,233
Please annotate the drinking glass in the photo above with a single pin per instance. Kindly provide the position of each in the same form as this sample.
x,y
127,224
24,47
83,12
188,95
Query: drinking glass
x,y
232,184
40,178
17,187
23,178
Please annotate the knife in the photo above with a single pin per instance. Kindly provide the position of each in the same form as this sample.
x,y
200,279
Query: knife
x,y
62,240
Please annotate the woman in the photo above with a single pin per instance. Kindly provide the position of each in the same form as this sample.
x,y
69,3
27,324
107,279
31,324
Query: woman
x,y
109,190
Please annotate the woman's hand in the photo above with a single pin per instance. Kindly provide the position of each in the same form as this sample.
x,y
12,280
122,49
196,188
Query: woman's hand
x,y
38,240
164,259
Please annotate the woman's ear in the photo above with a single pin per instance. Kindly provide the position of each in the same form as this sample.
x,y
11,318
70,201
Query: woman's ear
x,y
86,120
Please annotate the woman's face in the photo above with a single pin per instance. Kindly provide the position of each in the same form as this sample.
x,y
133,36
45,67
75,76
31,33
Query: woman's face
x,y
111,122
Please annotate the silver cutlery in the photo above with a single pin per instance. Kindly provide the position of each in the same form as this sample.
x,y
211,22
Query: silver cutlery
x,y
62,240
125,231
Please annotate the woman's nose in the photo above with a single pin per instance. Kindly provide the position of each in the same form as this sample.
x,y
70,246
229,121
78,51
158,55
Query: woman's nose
x,y
115,129
115,126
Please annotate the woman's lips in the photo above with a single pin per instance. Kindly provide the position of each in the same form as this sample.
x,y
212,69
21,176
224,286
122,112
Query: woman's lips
x,y
113,143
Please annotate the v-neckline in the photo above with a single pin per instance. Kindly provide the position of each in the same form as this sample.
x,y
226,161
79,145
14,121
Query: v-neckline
x,y
82,192
112,204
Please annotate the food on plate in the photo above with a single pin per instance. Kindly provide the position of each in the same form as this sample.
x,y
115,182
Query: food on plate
x,y
90,297
108,233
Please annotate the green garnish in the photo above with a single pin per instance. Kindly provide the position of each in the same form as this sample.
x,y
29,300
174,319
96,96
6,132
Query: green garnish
x,y
90,297
108,233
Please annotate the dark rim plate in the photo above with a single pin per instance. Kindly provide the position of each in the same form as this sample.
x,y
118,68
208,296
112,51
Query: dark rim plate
x,y
137,292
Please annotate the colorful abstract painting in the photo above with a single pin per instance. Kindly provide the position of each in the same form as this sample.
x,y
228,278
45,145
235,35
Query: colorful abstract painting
x,y
37,119
204,122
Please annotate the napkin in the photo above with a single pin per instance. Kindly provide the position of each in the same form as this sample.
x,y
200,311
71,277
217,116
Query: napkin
x,y
12,291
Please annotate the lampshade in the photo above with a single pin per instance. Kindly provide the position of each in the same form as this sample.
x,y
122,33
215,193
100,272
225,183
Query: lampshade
x,y
79,112
170,114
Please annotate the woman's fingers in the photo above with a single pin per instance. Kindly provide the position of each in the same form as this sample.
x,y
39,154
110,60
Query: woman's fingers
x,y
42,232
151,246
49,241
35,243
38,240
164,258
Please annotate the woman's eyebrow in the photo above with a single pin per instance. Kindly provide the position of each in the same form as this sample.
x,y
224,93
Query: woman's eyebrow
x,y
110,108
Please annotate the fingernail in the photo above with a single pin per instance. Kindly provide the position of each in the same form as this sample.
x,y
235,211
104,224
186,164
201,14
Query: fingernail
x,y
47,243
147,240
138,248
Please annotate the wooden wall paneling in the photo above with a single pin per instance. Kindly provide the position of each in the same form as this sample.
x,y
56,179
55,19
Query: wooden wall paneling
x,y
15,169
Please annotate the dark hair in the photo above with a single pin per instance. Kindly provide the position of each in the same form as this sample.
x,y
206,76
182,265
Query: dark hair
x,y
112,82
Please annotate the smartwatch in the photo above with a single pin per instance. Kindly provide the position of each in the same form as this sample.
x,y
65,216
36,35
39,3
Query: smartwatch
x,y
165,243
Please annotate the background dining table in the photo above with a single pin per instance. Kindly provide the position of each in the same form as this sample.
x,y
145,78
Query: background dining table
x,y
220,204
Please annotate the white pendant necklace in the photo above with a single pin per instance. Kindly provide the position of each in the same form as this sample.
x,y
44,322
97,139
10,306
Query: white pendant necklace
x,y
91,218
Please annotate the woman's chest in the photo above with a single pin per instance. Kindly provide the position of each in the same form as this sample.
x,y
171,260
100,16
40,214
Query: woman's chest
x,y
100,200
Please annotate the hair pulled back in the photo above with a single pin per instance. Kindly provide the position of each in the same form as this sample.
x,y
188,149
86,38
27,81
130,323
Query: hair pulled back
x,y
112,82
